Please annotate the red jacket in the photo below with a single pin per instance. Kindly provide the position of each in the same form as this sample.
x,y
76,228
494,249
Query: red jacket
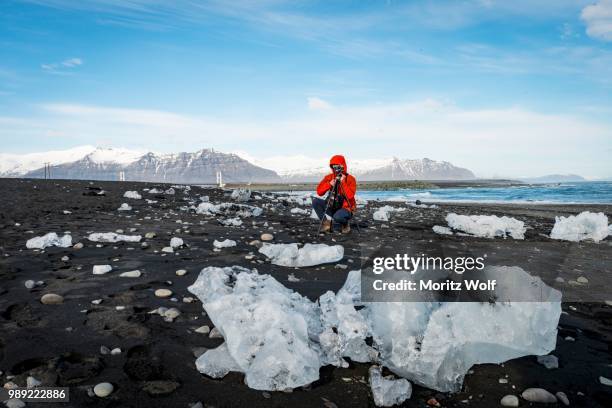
x,y
347,188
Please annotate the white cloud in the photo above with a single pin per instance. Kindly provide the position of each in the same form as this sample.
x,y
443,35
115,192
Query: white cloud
x,y
315,103
510,141
598,19
62,67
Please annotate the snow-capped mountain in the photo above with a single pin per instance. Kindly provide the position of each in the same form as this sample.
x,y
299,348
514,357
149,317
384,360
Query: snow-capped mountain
x,y
92,163
383,169
198,167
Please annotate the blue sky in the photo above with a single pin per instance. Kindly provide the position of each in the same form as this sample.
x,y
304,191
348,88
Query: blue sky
x,y
515,88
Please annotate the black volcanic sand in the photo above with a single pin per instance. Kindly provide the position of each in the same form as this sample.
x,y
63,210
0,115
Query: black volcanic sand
x,y
60,344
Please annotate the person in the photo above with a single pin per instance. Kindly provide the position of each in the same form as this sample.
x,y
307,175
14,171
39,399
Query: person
x,y
340,203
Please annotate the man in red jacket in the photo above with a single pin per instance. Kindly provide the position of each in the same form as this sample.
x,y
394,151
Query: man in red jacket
x,y
340,202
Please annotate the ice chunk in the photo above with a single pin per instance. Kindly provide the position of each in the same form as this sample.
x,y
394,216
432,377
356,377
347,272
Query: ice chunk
x,y
170,191
586,225
438,229
176,242
388,391
101,269
227,243
228,209
155,191
487,226
47,240
231,222
382,214
216,363
297,210
308,255
266,327
113,237
132,194
313,214
241,194
124,207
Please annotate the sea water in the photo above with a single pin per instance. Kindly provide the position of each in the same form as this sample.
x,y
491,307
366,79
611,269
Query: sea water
x,y
596,192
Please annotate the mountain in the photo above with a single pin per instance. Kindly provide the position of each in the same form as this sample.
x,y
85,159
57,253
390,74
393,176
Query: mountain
x,y
16,165
386,169
198,167
554,178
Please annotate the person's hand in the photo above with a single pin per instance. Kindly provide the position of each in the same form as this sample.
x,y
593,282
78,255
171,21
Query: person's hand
x,y
332,182
342,178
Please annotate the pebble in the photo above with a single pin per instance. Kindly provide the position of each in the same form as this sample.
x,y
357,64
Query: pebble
x,y
116,351
181,272
176,242
509,401
65,258
78,245
188,299
30,284
538,395
51,299
150,235
203,330
103,389
171,314
563,398
104,350
167,250
582,279
266,237
101,269
163,293
131,274
549,361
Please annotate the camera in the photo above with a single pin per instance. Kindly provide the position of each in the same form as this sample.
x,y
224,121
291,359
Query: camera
x,y
337,168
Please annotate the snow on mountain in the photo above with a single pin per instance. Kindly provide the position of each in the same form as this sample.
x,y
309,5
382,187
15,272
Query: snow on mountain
x,y
14,165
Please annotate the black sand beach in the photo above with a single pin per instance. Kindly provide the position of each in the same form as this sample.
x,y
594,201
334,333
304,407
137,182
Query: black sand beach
x,y
60,344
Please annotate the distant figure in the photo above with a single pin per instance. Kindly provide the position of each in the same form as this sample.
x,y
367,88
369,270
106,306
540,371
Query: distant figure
x,y
340,203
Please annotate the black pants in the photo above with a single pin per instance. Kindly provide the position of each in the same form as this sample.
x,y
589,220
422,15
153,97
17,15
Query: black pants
x,y
341,216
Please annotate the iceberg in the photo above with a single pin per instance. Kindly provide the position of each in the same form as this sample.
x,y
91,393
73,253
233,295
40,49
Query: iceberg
x,y
279,339
132,194
47,240
113,237
487,226
586,225
308,255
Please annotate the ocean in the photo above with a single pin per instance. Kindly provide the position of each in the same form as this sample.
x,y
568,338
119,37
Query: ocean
x,y
596,192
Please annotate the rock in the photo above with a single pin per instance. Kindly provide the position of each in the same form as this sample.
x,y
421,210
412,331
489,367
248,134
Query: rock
x,y
539,395
203,330
549,361
102,269
78,245
14,403
51,299
103,389
181,272
144,245
509,401
168,250
188,299
256,243
563,398
104,350
131,274
582,279
32,382
171,314
163,293
160,387
150,235
266,237
30,284
65,258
